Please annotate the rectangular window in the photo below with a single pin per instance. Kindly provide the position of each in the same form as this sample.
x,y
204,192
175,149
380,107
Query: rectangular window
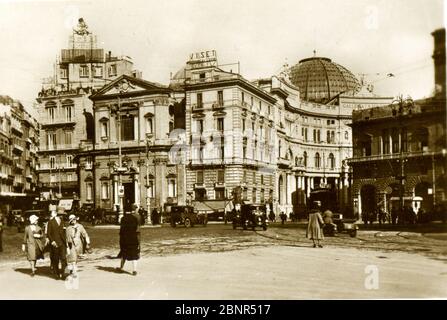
x,y
52,162
83,71
64,73
172,188
98,72
220,194
104,129
127,128
385,141
199,177
254,178
254,195
404,139
251,101
149,125
220,124
220,176
104,190
69,177
395,139
220,100
52,178
243,97
262,179
51,140
89,191
243,125
69,161
244,177
244,152
262,196
112,70
51,114
68,138
199,100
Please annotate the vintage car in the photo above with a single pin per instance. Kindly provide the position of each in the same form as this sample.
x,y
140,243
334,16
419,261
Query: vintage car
x,y
334,223
185,215
250,216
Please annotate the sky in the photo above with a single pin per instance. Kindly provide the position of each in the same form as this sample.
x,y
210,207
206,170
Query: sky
x,y
373,38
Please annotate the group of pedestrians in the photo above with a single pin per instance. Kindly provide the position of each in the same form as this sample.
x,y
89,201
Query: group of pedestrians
x,y
65,243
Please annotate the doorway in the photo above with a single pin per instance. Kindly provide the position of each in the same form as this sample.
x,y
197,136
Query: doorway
x,y
129,196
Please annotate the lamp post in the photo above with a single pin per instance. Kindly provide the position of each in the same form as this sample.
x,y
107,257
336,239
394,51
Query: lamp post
x,y
400,108
122,87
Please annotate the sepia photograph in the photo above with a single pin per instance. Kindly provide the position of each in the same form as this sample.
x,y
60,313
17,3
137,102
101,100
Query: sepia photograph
x,y
222,151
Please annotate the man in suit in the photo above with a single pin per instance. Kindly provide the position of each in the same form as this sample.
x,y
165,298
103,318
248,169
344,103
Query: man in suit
x,y
57,237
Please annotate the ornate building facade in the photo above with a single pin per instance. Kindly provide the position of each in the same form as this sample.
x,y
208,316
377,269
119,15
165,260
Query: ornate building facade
x,y
129,159
65,112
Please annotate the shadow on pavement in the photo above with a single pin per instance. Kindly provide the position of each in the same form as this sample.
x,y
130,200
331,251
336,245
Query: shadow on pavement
x,y
111,269
40,272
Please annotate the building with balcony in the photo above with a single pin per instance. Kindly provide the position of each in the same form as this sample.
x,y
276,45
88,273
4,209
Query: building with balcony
x,y
132,157
400,150
66,113
18,160
262,136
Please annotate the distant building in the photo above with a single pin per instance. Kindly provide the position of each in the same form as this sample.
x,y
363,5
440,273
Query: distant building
x,y
400,150
19,138
65,112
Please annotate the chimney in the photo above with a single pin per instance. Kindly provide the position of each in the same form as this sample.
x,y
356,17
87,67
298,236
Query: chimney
x,y
439,61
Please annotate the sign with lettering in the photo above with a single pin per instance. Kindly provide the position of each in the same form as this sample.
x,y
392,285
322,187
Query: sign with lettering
x,y
203,59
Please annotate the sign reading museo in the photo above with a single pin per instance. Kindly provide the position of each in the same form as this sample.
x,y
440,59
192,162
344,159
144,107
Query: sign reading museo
x,y
203,59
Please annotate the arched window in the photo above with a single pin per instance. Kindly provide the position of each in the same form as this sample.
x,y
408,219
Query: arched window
x,y
305,159
331,161
317,160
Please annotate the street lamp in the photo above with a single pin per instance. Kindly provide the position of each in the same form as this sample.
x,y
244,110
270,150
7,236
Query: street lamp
x,y
122,87
401,108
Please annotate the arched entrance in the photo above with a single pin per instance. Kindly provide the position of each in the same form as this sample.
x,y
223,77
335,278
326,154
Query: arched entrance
x,y
421,190
368,197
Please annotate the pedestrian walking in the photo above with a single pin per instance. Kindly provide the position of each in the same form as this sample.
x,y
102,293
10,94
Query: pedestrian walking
x,y
58,240
77,240
33,244
130,239
315,221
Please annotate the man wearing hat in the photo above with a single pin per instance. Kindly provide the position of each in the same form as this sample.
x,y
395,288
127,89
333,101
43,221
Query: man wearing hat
x,y
58,241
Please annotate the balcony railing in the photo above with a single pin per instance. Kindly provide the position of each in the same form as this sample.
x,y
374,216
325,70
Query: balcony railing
x,y
57,121
58,147
16,147
393,156
55,169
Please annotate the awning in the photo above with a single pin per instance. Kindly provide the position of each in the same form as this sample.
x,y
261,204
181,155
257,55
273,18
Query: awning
x,y
209,206
12,194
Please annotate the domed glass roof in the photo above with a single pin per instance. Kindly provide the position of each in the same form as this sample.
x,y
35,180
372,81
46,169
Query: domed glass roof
x,y
319,79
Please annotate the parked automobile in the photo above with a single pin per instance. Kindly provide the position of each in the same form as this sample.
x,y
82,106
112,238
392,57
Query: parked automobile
x,y
250,216
187,216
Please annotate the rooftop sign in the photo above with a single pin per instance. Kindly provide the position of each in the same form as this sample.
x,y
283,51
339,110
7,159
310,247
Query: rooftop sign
x,y
203,59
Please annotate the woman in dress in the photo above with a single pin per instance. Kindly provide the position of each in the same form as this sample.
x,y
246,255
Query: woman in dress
x,y
314,231
130,239
77,238
33,243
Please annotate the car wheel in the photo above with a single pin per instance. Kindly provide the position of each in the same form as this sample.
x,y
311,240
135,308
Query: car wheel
x,y
353,234
264,228
188,223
